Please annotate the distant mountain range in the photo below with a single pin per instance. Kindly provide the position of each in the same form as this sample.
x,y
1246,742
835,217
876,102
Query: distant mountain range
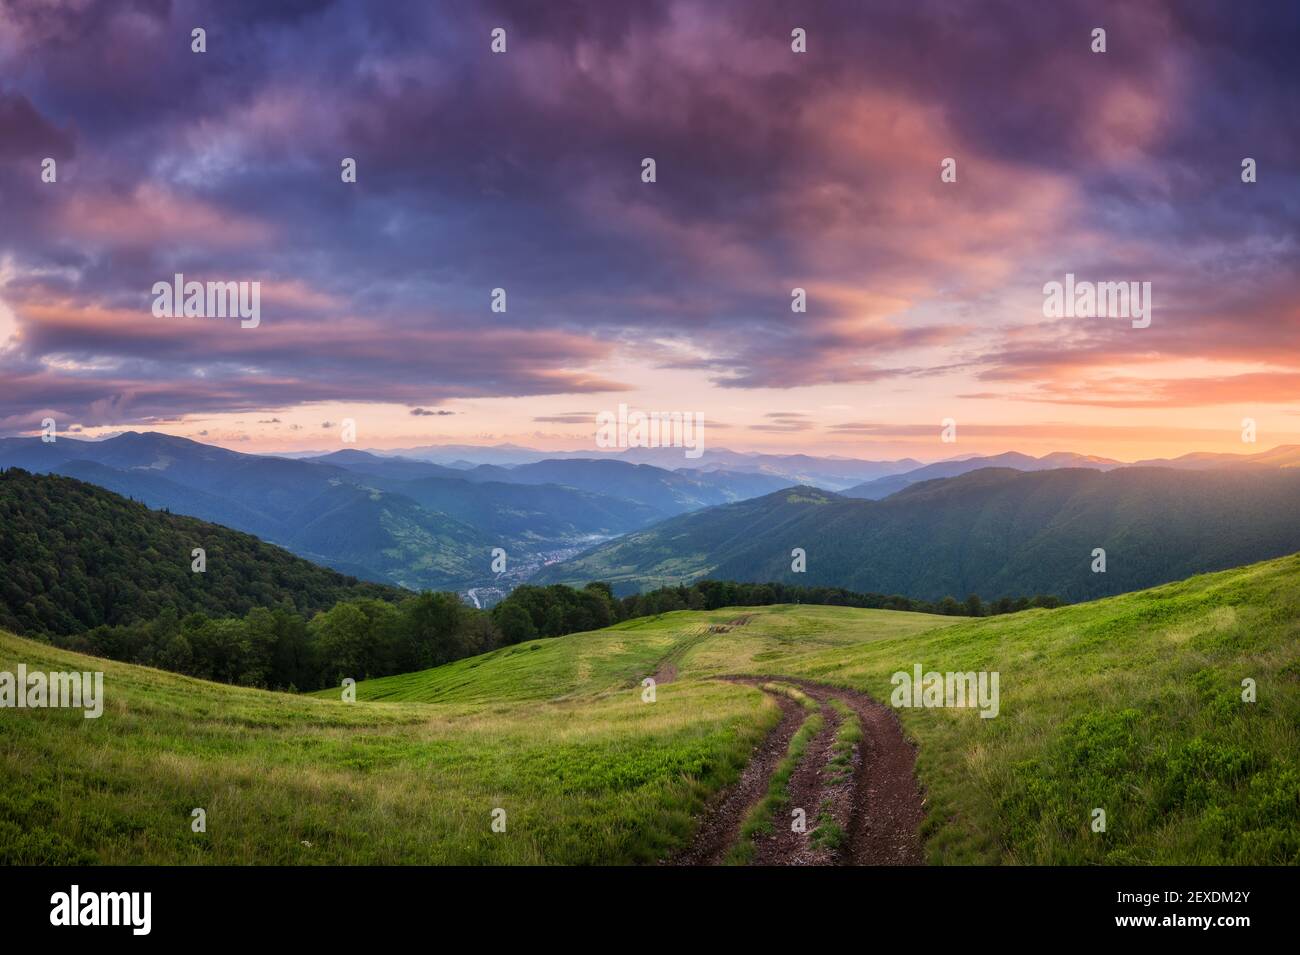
x,y
424,524
320,512
412,523
1283,456
829,472
993,532
851,476
885,486
875,490
668,492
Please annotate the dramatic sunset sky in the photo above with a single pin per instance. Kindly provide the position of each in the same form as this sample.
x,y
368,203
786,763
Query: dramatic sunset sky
x,y
775,170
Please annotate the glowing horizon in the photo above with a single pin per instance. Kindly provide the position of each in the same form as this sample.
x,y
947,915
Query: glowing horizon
x,y
776,171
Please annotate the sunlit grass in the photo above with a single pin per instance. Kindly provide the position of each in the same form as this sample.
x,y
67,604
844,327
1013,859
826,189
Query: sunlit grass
x,y
1131,704
299,780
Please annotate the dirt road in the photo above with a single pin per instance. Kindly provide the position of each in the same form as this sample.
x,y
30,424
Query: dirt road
x,y
869,812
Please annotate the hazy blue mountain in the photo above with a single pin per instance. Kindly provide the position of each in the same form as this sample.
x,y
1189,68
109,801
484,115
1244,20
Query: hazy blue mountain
x,y
828,472
667,492
831,472
885,486
993,532
738,485
387,518
316,510
516,511
1283,456
271,487
530,512
393,468
162,494
471,454
421,524
646,493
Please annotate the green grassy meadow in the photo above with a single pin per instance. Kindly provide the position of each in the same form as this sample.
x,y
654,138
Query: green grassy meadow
x,y
1131,705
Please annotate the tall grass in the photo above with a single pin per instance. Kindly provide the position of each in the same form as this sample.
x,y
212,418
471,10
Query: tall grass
x,y
1132,705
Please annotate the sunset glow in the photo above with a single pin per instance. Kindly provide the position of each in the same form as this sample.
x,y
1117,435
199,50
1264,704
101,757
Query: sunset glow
x,y
775,172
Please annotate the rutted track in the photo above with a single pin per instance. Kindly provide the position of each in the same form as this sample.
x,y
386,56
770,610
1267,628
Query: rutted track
x,y
880,810
721,824
808,790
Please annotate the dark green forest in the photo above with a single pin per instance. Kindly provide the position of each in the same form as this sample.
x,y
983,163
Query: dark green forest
x,y
92,571
74,556
992,531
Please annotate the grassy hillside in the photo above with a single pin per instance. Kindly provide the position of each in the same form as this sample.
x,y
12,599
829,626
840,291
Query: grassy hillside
x,y
1130,704
295,780
579,664
992,532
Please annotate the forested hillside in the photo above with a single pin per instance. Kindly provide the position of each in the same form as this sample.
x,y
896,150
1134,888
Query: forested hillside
x,y
74,556
992,532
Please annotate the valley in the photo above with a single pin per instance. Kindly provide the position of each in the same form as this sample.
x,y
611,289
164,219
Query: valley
x,y
1006,525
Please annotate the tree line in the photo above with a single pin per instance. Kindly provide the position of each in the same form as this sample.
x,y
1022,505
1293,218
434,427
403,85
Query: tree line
x,y
366,637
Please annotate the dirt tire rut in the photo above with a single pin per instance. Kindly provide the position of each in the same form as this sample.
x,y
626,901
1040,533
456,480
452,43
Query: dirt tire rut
x,y
720,827
880,810
808,790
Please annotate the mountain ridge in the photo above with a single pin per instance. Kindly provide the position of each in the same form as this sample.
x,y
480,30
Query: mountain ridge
x,y
75,556
992,532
